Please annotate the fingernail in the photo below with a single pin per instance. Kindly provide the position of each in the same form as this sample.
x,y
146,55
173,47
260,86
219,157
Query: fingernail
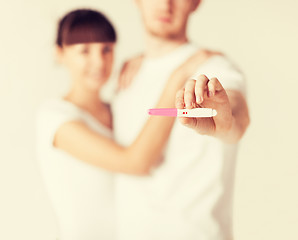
x,y
199,99
180,104
187,104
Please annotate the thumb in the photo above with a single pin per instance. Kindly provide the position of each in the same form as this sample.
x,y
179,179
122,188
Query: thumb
x,y
188,122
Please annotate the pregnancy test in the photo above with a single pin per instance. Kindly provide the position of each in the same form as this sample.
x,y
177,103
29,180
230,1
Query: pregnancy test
x,y
175,112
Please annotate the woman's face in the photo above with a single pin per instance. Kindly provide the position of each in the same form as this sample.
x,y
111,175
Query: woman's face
x,y
89,64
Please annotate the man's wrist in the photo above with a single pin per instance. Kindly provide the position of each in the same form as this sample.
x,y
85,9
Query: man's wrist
x,y
228,135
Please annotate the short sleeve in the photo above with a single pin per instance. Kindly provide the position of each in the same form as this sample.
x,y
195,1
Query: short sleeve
x,y
50,116
225,71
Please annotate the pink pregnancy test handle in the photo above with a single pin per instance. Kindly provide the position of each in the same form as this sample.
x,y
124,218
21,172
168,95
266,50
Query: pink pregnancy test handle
x,y
169,112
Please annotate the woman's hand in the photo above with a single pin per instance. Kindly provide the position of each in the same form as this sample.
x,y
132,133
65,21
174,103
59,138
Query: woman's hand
x,y
129,69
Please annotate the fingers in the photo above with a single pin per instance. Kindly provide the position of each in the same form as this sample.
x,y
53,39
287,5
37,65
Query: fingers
x,y
208,93
189,94
180,96
200,87
127,77
204,85
213,86
195,91
123,78
179,103
129,71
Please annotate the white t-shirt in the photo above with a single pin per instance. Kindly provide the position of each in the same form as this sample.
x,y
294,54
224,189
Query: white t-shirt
x,y
189,196
81,194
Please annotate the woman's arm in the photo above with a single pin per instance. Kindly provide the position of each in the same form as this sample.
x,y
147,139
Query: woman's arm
x,y
138,158
83,143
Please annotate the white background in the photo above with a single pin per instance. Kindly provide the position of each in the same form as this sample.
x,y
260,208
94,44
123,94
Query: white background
x,y
261,36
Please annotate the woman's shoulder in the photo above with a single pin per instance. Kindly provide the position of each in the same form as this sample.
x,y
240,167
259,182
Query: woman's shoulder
x,y
58,105
58,108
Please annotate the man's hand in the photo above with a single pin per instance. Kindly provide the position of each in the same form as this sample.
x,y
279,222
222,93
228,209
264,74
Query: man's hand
x,y
206,93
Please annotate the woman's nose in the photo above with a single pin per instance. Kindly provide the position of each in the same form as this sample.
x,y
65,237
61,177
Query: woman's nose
x,y
98,60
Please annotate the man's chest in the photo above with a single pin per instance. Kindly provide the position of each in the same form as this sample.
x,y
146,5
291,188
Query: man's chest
x,y
130,106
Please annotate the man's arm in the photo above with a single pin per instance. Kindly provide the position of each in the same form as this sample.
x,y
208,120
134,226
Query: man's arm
x,y
232,117
240,114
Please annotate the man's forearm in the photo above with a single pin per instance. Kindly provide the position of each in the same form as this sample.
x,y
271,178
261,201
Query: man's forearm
x,y
236,131
240,120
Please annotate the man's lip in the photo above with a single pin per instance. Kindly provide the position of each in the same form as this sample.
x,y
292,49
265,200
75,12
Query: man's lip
x,y
165,19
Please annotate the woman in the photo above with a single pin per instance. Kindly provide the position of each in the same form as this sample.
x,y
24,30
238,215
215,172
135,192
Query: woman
x,y
75,146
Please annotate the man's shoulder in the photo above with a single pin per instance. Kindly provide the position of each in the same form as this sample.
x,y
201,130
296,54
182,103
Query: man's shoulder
x,y
207,53
211,58
202,55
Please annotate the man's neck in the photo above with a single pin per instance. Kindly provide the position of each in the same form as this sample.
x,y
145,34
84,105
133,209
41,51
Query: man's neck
x,y
157,46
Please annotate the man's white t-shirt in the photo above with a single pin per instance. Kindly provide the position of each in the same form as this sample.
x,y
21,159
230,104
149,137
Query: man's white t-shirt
x,y
82,195
189,196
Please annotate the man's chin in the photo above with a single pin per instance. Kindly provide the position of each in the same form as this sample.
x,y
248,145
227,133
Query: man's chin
x,y
161,33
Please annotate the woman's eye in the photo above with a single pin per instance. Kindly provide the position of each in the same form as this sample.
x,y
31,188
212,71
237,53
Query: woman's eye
x,y
85,51
107,49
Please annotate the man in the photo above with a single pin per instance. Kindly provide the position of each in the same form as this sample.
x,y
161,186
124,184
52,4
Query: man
x,y
189,196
